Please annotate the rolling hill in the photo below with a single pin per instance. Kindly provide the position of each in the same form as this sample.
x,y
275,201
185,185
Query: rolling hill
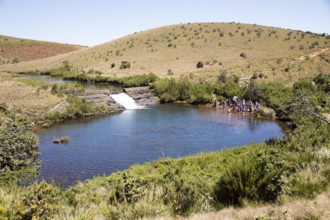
x,y
240,49
15,50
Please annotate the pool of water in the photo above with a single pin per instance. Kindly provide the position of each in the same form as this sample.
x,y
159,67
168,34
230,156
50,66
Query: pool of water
x,y
104,145
47,79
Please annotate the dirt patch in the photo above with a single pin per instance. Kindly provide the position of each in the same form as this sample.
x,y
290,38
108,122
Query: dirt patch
x,y
33,51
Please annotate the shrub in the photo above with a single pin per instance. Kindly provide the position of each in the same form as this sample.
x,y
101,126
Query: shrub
x,y
66,65
15,60
40,200
236,78
257,176
200,64
170,72
277,97
18,147
223,77
323,82
113,65
255,76
125,65
253,91
229,89
243,55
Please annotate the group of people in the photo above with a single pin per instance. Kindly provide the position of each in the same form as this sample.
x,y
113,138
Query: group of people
x,y
238,105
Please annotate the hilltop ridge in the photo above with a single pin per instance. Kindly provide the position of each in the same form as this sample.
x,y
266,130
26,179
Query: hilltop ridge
x,y
239,49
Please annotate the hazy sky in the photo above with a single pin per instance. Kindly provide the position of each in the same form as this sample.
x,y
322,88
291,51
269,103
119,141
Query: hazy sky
x,y
92,22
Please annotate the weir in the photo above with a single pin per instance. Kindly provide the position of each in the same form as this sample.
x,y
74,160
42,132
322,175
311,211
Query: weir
x,y
126,101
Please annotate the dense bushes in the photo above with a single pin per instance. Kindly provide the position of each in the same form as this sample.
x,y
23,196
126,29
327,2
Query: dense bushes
x,y
256,176
128,81
170,90
277,96
18,147
229,89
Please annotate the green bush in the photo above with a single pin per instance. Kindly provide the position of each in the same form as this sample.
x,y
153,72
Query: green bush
x,y
243,55
277,97
253,91
170,90
40,200
256,176
323,82
229,89
200,64
125,65
223,77
18,147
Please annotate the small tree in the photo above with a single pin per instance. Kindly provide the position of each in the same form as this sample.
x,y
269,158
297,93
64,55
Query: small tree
x,y
113,65
200,64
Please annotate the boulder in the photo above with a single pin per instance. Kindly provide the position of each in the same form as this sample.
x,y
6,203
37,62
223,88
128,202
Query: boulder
x,y
142,95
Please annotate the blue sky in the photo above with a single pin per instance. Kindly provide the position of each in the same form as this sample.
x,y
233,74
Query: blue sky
x,y
92,22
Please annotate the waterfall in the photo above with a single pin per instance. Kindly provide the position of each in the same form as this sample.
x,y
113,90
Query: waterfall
x,y
126,101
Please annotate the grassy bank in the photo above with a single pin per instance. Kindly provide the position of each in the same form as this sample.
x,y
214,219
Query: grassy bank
x,y
274,172
67,73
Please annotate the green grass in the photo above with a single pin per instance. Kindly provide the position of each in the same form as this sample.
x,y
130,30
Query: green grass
x,y
296,166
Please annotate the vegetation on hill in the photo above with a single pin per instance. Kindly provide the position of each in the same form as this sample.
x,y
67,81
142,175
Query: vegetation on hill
x,y
296,166
191,63
180,50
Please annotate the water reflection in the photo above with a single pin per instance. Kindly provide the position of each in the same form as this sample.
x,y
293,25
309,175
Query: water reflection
x,y
107,144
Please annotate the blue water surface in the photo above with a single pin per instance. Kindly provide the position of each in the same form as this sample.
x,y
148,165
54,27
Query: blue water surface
x,y
107,144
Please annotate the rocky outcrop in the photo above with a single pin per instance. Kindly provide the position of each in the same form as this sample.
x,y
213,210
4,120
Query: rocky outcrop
x,y
142,95
99,97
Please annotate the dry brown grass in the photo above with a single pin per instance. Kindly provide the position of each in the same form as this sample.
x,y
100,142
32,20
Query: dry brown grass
x,y
272,51
26,50
317,208
25,100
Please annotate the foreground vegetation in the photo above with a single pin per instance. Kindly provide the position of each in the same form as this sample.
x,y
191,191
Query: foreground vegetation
x,y
297,166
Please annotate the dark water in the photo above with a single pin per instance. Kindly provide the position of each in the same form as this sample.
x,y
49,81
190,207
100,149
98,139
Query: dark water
x,y
47,79
108,144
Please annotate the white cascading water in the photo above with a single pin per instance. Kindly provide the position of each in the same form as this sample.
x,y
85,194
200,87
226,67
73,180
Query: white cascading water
x,y
126,101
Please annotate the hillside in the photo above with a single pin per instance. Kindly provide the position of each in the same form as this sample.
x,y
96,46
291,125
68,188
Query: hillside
x,y
15,50
240,49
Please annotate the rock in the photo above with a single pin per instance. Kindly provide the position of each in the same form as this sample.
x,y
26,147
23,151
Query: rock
x,y
142,95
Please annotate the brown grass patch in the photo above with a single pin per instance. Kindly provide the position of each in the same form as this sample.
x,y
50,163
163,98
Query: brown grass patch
x,y
272,51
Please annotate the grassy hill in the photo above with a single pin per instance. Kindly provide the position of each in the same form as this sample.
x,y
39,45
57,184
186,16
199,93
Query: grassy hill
x,y
240,49
15,50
